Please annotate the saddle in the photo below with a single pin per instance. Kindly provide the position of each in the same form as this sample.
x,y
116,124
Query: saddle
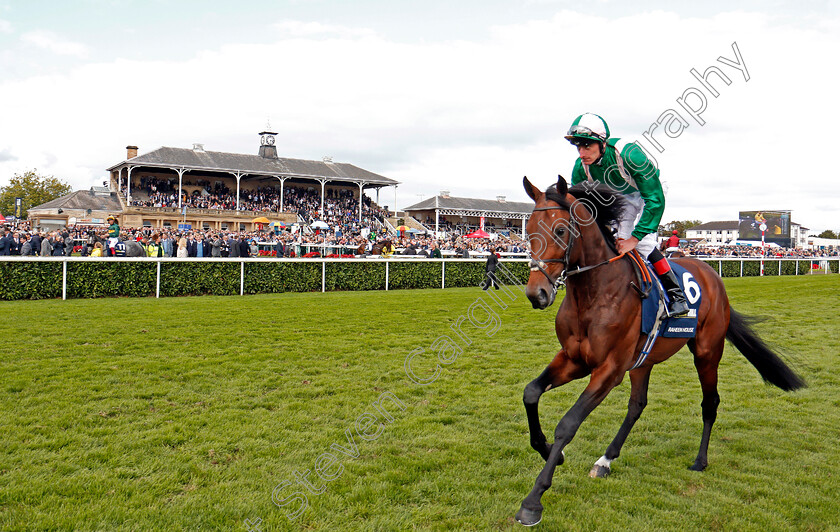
x,y
655,321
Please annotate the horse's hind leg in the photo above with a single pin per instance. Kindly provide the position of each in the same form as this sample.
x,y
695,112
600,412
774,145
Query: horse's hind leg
x,y
559,372
639,380
706,359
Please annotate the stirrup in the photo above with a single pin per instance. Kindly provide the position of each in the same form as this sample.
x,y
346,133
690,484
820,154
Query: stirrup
x,y
683,310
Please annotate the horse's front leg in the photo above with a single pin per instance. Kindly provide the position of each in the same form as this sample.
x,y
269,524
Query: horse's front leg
x,y
639,380
602,381
559,372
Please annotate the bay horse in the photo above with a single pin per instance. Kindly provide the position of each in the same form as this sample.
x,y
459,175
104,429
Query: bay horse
x,y
379,246
598,325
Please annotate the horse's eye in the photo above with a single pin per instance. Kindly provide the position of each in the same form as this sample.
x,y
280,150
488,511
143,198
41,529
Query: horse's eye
x,y
560,231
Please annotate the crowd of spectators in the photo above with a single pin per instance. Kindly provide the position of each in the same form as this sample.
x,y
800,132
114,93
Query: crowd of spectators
x,y
341,207
92,241
746,252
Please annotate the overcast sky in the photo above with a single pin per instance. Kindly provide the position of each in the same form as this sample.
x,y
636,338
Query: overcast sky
x,y
464,96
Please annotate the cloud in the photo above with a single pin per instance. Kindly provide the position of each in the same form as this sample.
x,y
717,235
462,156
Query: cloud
x,y
472,117
295,28
5,26
49,41
6,155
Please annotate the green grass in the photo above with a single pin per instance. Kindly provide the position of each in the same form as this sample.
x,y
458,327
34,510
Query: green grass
x,y
185,413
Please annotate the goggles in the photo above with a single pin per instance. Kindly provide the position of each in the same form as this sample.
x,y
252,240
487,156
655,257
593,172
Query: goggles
x,y
583,131
585,143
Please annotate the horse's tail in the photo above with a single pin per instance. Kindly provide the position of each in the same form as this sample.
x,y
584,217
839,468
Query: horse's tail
x,y
771,368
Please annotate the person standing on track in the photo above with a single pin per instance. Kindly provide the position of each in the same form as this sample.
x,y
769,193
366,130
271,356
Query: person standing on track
x,y
624,167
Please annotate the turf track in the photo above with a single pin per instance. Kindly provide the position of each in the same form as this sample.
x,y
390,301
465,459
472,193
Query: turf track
x,y
185,413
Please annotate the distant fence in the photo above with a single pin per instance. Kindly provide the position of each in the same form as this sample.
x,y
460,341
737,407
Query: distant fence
x,y
87,277
750,267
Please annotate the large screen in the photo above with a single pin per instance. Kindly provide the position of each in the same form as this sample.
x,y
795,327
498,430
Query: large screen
x,y
777,226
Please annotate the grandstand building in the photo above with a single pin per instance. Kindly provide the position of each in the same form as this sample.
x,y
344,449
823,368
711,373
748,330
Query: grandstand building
x,y
446,213
226,191
220,191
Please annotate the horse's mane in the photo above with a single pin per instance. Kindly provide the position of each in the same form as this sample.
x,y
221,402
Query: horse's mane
x,y
608,205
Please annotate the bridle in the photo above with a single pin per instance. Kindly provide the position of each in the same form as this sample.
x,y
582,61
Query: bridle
x,y
541,264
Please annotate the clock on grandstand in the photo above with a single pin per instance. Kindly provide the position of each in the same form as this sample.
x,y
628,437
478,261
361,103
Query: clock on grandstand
x,y
267,138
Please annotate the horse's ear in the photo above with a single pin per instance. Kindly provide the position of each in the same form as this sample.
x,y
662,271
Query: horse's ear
x,y
562,187
532,191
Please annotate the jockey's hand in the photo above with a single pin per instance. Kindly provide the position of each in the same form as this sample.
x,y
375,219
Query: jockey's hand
x,y
627,245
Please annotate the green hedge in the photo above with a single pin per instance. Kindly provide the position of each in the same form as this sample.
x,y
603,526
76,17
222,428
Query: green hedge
x,y
732,268
30,280
199,278
42,279
274,277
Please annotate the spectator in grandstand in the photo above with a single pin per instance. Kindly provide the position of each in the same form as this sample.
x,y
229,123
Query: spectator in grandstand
x,y
46,245
199,247
234,246
97,249
57,245
25,245
168,244
36,242
244,248
182,252
253,248
69,243
215,246
155,248
6,243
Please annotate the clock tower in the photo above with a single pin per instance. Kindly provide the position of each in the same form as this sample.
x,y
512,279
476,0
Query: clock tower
x,y
267,147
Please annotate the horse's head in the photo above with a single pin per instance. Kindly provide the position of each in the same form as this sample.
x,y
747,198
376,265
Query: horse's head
x,y
562,231
549,237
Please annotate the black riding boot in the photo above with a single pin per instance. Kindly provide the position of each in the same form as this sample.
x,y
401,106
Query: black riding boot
x,y
677,305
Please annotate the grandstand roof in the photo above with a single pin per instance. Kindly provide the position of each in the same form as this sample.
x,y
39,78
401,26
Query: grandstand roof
x,y
217,161
91,199
472,204
728,225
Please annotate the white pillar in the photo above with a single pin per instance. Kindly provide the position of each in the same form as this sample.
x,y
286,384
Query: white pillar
x,y
180,183
395,201
282,181
128,186
437,216
323,185
523,228
238,176
119,181
361,185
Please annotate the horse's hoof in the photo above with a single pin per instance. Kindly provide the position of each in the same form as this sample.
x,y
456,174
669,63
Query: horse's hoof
x,y
698,466
599,471
528,517
543,448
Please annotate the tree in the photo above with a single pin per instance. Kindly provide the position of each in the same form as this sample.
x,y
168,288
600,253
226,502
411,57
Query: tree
x,y
679,225
33,189
828,233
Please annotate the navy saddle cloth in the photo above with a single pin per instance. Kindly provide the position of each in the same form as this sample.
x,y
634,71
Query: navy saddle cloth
x,y
680,327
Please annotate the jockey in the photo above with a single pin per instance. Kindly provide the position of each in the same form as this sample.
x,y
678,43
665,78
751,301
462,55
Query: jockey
x,y
113,233
624,167
673,241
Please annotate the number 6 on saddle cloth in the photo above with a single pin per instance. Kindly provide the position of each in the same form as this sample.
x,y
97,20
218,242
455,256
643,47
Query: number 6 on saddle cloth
x,y
655,322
